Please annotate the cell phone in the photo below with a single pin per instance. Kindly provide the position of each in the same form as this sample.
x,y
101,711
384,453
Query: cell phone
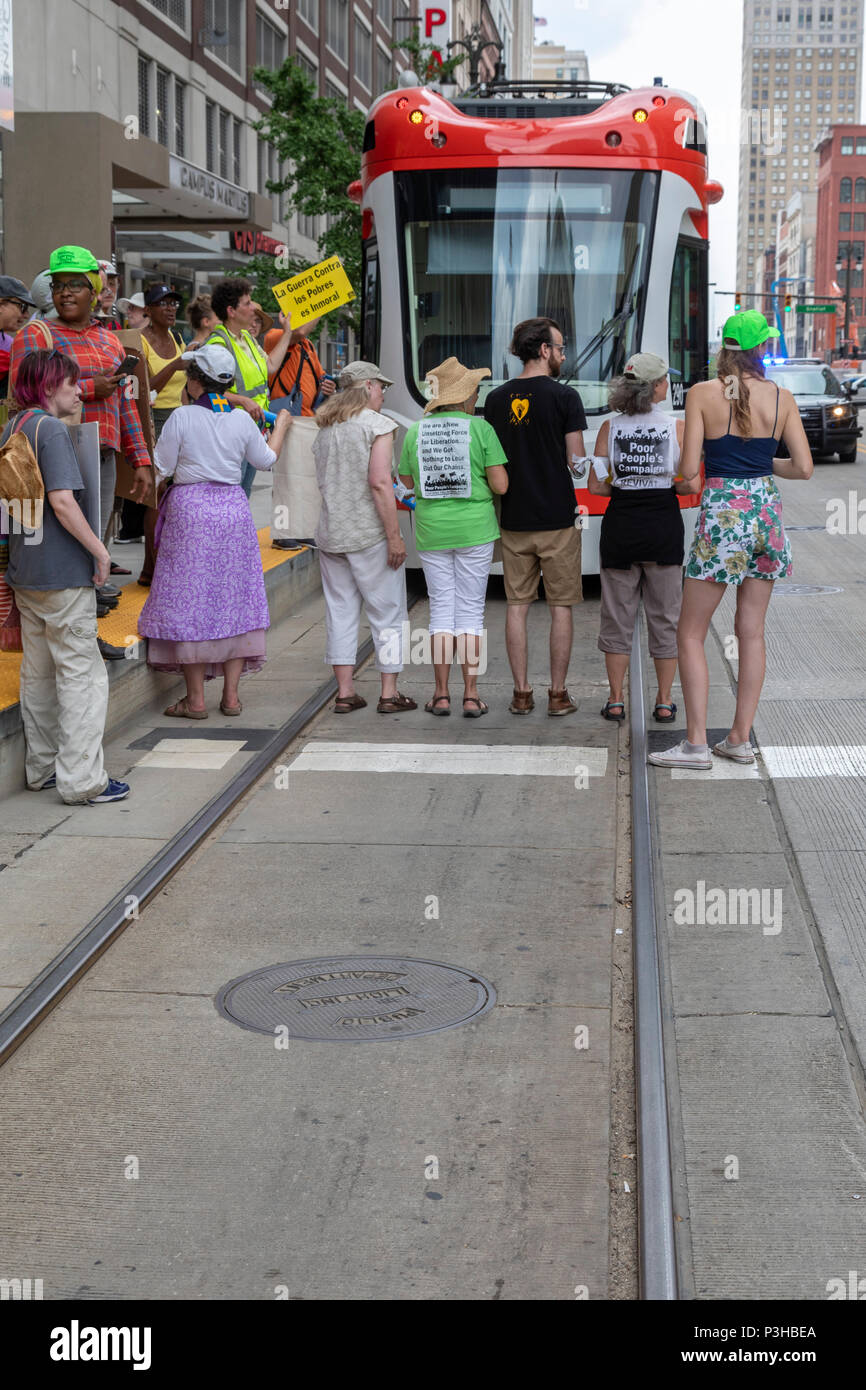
x,y
128,365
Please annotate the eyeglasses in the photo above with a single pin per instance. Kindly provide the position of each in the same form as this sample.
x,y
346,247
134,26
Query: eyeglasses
x,y
19,305
558,347
75,285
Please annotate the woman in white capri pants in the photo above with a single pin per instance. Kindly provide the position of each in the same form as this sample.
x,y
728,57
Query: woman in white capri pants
x,y
361,551
456,463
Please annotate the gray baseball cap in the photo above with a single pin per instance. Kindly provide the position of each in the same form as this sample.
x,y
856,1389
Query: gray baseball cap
x,y
214,361
10,288
646,366
357,372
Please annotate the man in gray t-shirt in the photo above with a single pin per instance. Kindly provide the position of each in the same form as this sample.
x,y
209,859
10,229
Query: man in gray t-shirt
x,y
64,686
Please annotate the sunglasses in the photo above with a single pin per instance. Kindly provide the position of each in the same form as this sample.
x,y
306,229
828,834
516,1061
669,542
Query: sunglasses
x,y
19,305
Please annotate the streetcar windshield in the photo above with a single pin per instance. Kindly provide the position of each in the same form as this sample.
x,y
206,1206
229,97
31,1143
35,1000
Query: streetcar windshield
x,y
483,249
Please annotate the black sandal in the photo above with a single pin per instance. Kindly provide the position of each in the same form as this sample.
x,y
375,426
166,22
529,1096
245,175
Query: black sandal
x,y
665,718
613,704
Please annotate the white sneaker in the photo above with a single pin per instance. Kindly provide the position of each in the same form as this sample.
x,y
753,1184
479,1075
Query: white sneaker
x,y
737,752
678,756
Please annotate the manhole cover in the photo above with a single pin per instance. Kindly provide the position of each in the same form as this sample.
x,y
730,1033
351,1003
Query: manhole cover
x,y
786,590
355,998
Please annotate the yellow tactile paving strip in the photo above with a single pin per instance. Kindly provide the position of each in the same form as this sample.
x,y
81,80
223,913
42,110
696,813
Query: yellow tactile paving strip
x,y
120,627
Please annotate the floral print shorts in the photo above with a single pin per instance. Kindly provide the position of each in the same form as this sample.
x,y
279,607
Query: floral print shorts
x,y
739,533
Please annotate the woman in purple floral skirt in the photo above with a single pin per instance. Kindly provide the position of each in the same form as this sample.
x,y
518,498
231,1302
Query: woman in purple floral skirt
x,y
207,612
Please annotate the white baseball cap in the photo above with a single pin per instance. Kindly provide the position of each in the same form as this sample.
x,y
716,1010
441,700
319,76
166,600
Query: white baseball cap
x,y
135,301
213,361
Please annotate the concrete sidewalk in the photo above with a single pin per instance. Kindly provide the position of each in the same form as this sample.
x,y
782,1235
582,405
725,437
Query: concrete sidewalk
x,y
470,1163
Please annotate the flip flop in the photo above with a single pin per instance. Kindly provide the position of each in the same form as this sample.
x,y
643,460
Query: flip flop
x,y
430,706
118,569
181,710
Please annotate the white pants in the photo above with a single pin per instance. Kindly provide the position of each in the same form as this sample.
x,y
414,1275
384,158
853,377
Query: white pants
x,y
457,587
363,576
64,691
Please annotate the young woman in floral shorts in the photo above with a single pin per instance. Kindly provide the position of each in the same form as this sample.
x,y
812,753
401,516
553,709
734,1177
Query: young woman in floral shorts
x,y
737,421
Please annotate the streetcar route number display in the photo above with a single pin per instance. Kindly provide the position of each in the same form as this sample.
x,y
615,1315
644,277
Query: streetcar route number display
x,y
443,458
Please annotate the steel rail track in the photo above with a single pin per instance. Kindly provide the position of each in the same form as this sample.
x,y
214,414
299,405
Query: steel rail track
x,y
658,1278
36,1000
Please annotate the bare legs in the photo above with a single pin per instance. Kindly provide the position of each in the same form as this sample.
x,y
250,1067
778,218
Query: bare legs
x,y
194,677
617,665
561,636
346,682
467,645
701,598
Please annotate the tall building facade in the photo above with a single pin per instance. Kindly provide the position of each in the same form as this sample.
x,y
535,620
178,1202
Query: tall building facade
x,y
553,62
841,237
800,74
133,126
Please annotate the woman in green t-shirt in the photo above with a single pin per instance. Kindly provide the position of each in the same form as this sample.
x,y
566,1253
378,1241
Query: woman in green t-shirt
x,y
455,463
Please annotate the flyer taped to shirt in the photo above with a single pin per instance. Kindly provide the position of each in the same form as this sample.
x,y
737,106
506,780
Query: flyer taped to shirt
x,y
444,468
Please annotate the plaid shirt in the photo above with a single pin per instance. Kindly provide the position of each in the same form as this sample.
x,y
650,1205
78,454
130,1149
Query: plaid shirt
x,y
98,352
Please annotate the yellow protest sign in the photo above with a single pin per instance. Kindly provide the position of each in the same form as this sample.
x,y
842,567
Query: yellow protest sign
x,y
314,292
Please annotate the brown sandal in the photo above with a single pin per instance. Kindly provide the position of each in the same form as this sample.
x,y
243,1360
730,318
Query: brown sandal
x,y
430,706
181,710
345,704
230,709
395,703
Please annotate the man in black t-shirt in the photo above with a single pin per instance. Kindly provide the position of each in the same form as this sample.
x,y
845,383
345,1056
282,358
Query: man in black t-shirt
x,y
540,425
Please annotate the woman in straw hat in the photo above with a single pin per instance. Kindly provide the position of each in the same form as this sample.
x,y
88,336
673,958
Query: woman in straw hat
x,y
738,421
455,463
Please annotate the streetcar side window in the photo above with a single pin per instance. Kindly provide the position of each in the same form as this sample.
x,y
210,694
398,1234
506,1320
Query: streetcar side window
x,y
688,319
371,322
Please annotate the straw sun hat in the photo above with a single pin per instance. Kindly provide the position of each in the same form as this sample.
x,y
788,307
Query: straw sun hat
x,y
451,383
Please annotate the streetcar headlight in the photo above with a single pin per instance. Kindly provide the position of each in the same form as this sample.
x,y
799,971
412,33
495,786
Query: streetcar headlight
x,y
416,116
640,115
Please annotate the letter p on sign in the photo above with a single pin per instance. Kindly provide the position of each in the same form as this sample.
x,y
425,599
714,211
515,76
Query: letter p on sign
x,y
437,23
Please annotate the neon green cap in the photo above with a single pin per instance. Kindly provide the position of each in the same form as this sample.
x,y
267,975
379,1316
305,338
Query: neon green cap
x,y
747,330
71,258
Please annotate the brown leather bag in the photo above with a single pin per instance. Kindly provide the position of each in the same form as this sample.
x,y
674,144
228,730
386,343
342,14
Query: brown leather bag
x,y
22,491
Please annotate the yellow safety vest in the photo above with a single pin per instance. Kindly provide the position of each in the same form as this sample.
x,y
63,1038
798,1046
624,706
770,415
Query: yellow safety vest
x,y
251,377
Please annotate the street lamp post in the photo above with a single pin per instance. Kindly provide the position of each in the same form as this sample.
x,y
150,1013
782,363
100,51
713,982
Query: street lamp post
x,y
475,44
846,256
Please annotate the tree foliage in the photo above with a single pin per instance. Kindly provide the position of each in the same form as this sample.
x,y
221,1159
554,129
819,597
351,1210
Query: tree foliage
x,y
428,68
319,140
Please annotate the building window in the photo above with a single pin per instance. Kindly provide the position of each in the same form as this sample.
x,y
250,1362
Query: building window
x,y
844,190
162,80
143,96
846,144
860,191
309,68
223,20
383,71
334,94
308,10
363,56
237,148
383,9
223,127
179,117
844,221
269,169
210,136
270,44
337,32
175,10
860,222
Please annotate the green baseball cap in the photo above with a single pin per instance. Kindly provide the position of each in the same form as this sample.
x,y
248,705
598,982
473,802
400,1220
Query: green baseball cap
x,y
747,330
68,259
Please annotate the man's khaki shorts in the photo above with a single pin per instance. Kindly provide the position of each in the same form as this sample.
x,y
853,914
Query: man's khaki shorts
x,y
555,554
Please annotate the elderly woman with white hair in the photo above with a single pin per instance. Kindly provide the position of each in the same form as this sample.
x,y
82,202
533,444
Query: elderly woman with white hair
x,y
455,463
361,550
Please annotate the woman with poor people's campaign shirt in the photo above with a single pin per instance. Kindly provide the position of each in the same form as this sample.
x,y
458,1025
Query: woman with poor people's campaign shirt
x,y
642,540
455,463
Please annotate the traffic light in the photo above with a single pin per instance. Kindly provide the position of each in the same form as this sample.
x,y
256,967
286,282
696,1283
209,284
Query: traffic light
x,y
737,302
787,301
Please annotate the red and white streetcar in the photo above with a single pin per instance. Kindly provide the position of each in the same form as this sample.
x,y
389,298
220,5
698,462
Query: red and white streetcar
x,y
586,203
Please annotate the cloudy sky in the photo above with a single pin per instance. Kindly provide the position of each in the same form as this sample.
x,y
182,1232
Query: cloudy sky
x,y
695,46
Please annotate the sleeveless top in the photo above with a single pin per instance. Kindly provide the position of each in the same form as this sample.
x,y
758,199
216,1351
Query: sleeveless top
x,y
731,456
642,521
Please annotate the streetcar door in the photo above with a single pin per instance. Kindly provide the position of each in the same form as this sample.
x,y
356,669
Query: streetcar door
x,y
688,346
371,321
